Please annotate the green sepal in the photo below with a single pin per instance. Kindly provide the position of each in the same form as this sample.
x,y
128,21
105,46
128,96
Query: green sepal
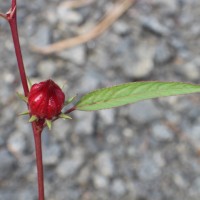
x,y
70,100
48,123
61,86
29,82
22,97
24,113
64,116
33,118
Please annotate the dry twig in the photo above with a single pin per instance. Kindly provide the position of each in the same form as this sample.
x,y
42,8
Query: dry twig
x,y
76,3
3,15
106,22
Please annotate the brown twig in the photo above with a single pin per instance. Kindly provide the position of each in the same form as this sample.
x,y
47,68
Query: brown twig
x,y
3,15
106,22
76,3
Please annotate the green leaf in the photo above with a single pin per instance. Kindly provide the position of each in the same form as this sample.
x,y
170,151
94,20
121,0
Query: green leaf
x,y
120,95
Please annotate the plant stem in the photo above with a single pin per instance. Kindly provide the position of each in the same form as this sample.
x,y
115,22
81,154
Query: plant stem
x,y
70,110
38,149
37,127
12,19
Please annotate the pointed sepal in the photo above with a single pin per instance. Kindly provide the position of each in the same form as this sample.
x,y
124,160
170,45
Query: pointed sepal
x,y
48,123
70,100
24,113
22,97
33,118
29,82
64,116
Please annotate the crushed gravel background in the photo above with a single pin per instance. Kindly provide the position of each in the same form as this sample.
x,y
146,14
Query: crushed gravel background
x,y
145,151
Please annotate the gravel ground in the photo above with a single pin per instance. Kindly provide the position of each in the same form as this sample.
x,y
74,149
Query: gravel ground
x,y
145,151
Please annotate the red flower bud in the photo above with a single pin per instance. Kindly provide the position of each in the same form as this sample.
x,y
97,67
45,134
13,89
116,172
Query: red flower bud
x,y
46,100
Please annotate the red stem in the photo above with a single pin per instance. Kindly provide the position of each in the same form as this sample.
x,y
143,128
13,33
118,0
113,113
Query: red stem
x,y
70,110
11,16
12,19
13,4
38,149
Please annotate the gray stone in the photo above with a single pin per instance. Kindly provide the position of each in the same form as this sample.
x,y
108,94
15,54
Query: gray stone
x,y
85,123
1,141
194,134
84,175
170,4
190,70
27,193
51,16
5,95
180,181
68,16
76,54
172,116
42,35
8,77
6,167
128,133
30,62
100,181
153,25
163,54
107,116
89,81
7,195
22,125
118,188
68,167
162,133
46,68
7,114
121,27
113,136
159,159
194,189
131,151
148,170
138,64
100,58
51,154
178,44
61,129
104,164
144,112
16,143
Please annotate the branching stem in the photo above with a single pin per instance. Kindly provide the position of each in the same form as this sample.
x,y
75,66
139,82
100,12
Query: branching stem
x,y
11,17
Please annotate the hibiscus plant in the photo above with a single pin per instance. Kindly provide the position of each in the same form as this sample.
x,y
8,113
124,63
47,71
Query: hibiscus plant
x,y
45,100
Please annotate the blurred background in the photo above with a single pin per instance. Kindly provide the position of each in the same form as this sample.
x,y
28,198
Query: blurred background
x,y
145,151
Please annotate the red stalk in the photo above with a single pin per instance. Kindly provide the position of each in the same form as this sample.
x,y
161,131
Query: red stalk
x,y
37,127
12,19
38,149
